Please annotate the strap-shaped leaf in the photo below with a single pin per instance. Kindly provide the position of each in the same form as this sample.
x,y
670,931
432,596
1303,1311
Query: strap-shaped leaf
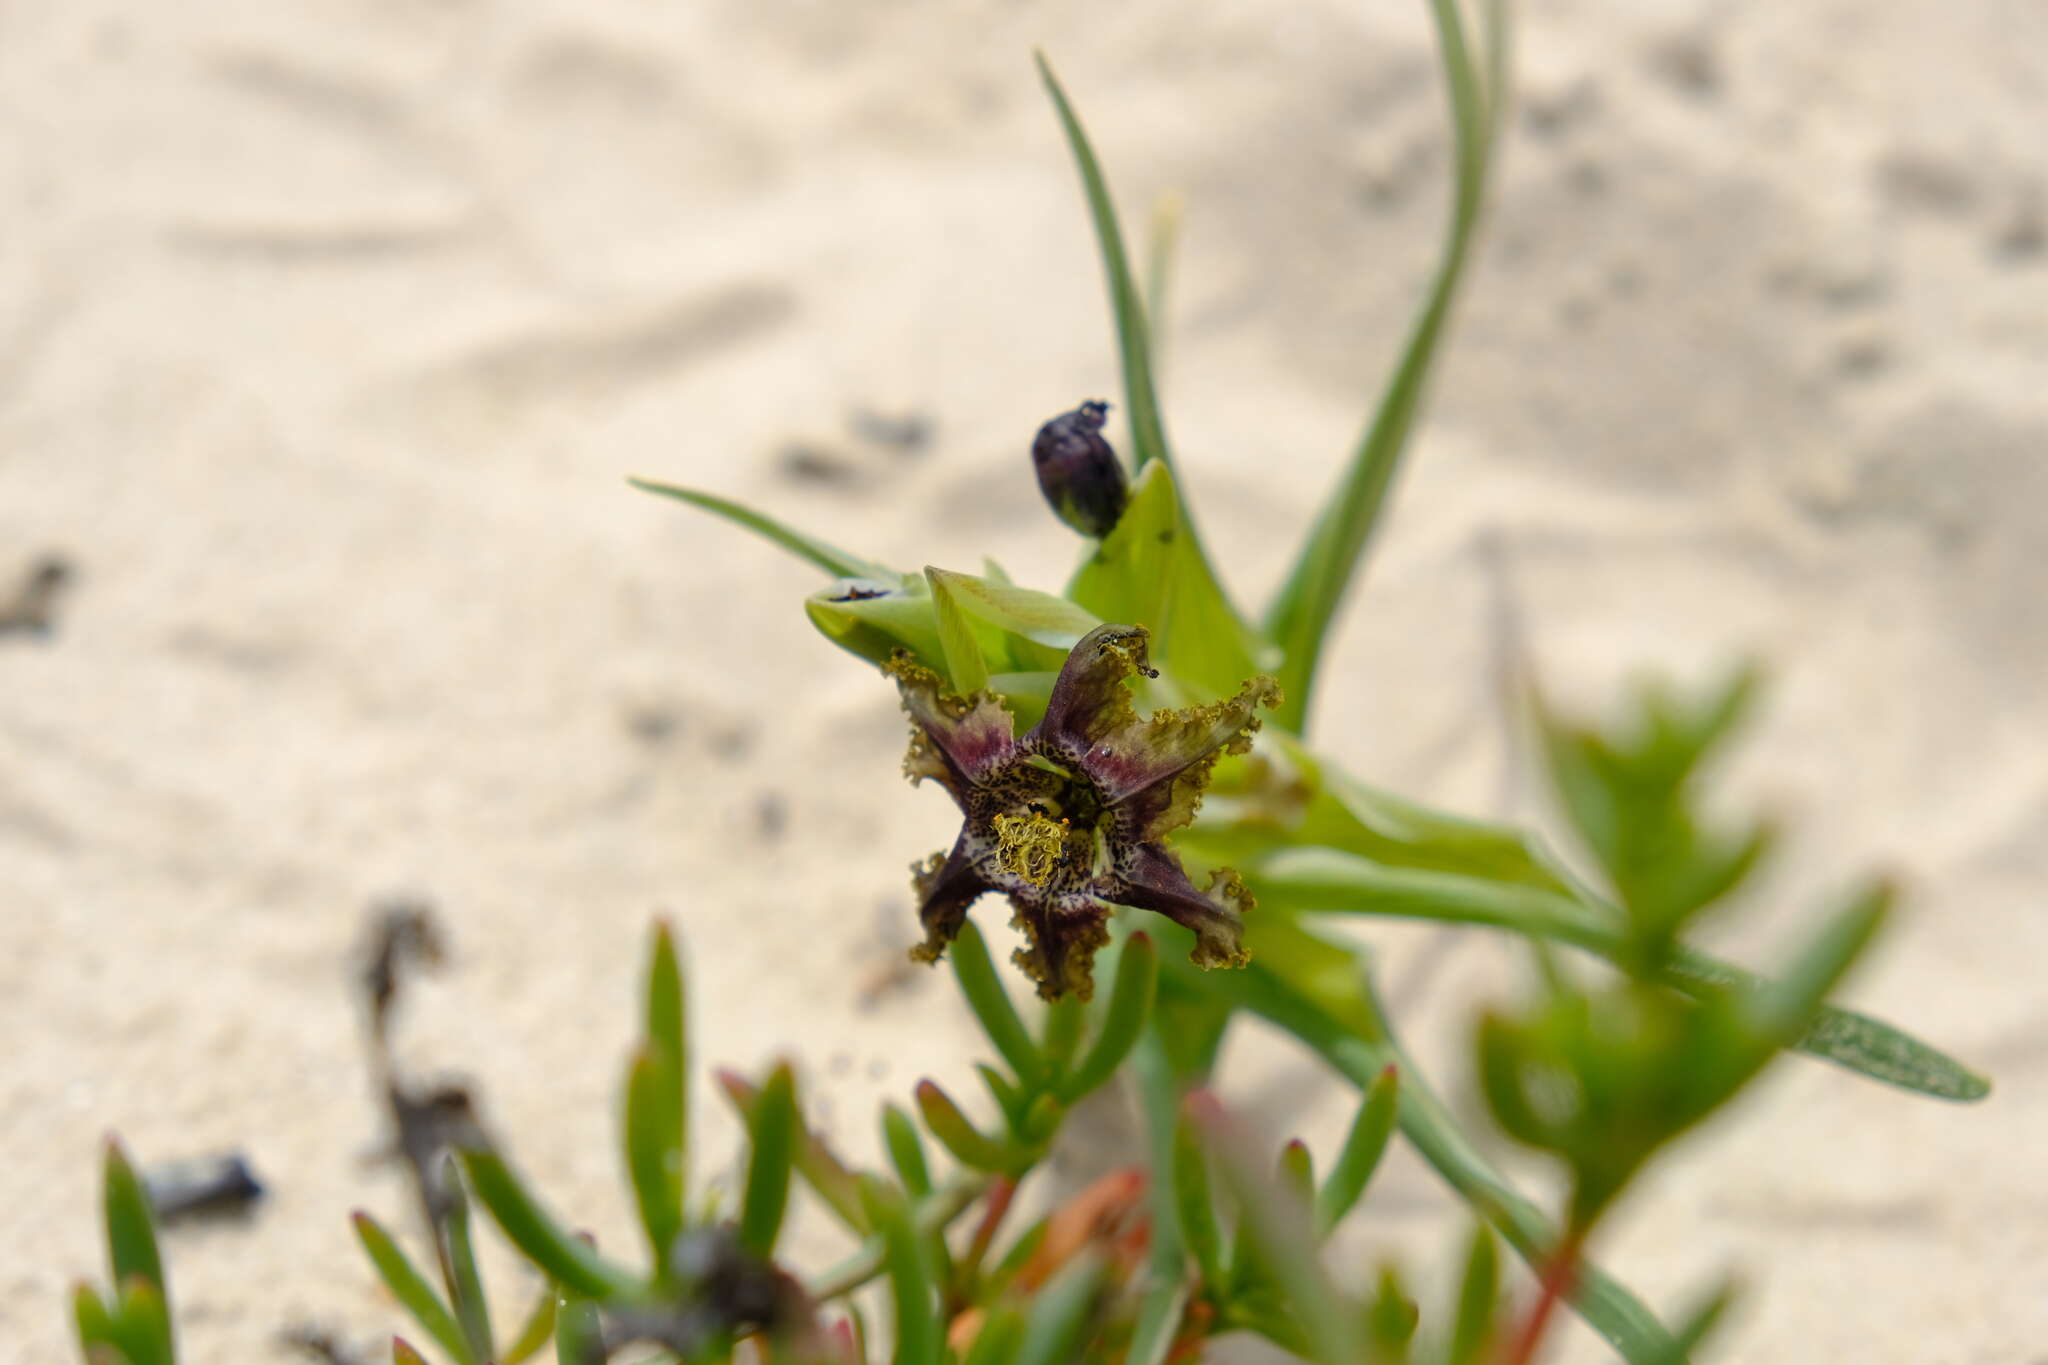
x,y
412,1290
906,1151
824,554
1478,1301
820,1167
1148,430
466,1283
131,1230
969,1146
1326,879
538,1329
1360,1156
653,1161
1301,616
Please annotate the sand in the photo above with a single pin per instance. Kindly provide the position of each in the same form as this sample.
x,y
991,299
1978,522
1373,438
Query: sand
x,y
328,333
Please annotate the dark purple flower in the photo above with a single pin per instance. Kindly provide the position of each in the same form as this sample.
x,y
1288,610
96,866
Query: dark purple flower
x,y
1072,817
1078,472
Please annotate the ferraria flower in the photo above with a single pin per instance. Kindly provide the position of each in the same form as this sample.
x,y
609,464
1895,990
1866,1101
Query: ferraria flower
x,y
1072,816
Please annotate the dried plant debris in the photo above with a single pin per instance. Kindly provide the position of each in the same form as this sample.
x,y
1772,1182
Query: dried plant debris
x,y
212,1186
32,608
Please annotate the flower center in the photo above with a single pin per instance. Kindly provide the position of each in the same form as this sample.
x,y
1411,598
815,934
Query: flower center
x,y
1029,846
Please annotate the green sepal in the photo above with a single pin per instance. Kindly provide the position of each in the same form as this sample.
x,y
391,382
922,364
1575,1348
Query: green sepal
x,y
414,1292
1151,572
965,666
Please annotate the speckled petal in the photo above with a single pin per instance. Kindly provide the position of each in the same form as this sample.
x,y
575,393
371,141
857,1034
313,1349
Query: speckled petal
x,y
957,740
1155,769
946,885
1154,880
1089,700
1064,938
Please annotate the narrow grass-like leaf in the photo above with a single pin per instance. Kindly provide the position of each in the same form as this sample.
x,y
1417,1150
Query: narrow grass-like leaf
x,y
1066,1019
538,1329
772,1130
1141,400
568,1261
651,1155
1785,1008
1302,614
131,1231
1123,1019
991,1005
1478,1300
826,556
412,1289
906,1151
1327,879
1060,1312
1363,1147
466,1285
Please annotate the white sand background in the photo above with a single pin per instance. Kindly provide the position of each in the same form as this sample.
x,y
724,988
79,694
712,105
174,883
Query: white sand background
x,y
329,330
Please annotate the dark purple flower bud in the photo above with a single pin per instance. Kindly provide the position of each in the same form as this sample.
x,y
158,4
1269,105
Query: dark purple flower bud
x,y
1078,472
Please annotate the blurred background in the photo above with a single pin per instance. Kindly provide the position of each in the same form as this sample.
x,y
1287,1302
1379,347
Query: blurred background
x,y
330,331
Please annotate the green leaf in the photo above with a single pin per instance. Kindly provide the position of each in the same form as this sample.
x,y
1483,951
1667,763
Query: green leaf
x,y
1060,1034
412,1289
1060,1312
999,1339
906,1151
920,1332
466,1286
1195,1206
142,1321
94,1322
967,1144
1305,609
1478,1300
1325,879
579,1331
826,556
653,1160
1363,1147
131,1231
538,1329
1785,1009
1698,1324
1319,992
1123,1019
772,1128
964,663
565,1259
1277,1224
821,1169
991,1005
1148,431
1159,1319
1150,571
667,1024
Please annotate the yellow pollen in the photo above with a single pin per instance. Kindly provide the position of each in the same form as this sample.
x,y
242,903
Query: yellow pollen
x,y
1029,846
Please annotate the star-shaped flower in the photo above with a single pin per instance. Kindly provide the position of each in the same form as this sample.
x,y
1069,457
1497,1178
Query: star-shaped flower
x,y
1072,817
